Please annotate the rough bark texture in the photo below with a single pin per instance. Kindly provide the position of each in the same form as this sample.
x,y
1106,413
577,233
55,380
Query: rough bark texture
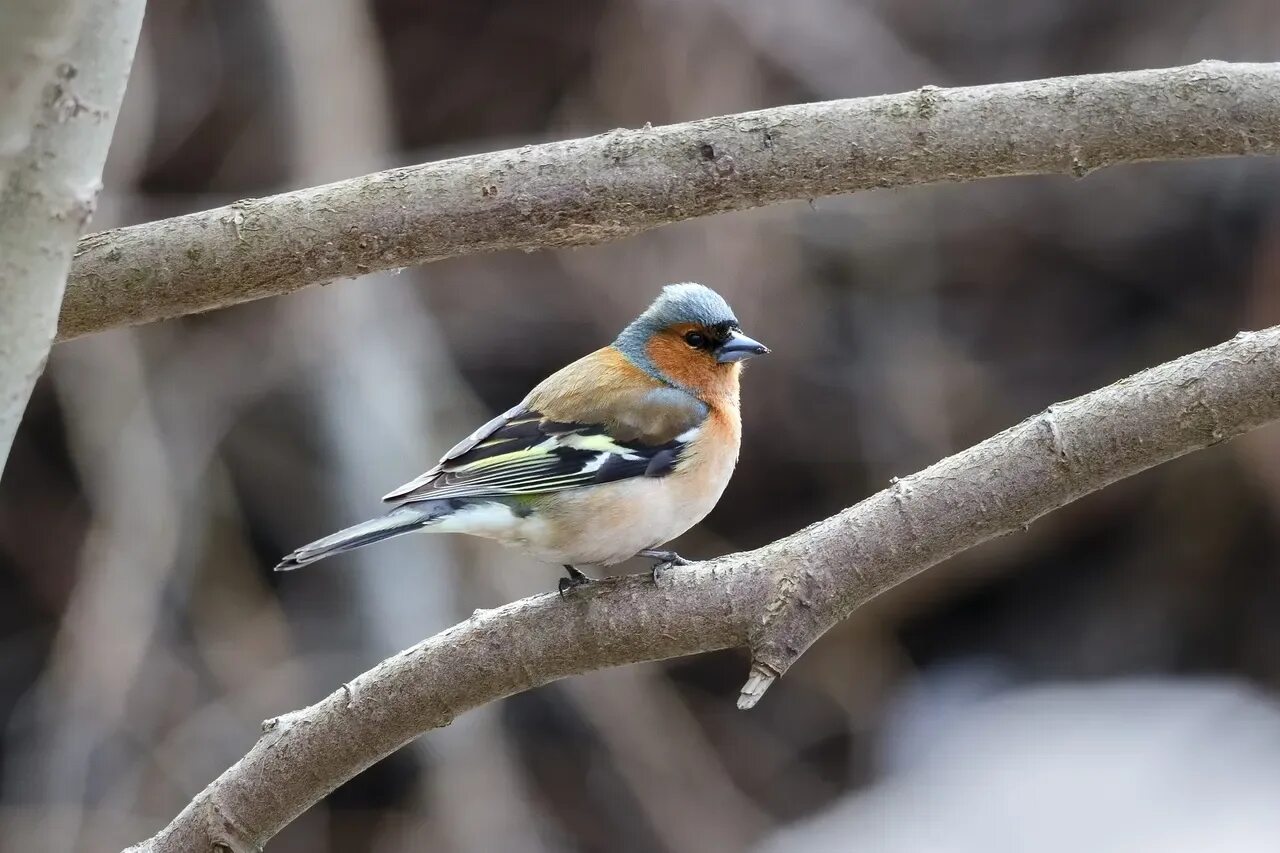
x,y
51,191
620,183
776,600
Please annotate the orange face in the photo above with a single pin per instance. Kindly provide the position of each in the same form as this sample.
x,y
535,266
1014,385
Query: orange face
x,y
685,353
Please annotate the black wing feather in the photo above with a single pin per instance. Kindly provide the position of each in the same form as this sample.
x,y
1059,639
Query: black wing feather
x,y
527,454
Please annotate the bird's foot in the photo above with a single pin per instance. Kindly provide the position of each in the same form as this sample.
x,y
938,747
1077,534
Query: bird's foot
x,y
573,581
665,560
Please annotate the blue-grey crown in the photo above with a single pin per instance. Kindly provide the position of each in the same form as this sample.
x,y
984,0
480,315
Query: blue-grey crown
x,y
688,302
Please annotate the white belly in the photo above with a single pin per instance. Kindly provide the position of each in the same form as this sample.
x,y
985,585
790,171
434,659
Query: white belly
x,y
617,521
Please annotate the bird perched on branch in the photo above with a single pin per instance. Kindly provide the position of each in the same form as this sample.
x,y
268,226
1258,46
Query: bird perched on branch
x,y
609,458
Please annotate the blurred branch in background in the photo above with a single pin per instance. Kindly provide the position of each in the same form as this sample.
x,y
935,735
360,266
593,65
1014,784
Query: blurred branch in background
x,y
776,600
99,654
621,183
49,190
142,449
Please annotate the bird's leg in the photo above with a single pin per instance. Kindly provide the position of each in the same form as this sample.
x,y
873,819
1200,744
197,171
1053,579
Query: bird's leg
x,y
665,560
575,580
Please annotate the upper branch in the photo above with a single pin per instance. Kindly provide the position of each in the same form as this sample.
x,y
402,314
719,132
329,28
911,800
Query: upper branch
x,y
586,191
776,600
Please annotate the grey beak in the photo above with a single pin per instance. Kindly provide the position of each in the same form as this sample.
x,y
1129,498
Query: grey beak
x,y
739,348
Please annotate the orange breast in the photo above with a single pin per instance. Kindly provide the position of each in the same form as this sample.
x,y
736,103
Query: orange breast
x,y
696,370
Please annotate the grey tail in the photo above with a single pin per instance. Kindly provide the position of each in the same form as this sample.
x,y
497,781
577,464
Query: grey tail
x,y
402,519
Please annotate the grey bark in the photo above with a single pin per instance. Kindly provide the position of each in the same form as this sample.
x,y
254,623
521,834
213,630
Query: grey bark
x,y
34,36
52,189
620,183
776,600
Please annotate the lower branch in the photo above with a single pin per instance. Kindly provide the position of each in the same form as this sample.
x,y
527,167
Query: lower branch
x,y
776,600
585,191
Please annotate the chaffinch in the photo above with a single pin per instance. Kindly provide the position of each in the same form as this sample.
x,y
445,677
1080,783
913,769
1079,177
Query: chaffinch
x,y
609,458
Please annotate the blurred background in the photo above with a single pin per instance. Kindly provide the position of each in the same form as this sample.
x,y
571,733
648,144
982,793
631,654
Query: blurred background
x,y
1104,681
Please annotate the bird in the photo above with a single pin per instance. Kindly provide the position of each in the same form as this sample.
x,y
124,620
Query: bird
x,y
609,458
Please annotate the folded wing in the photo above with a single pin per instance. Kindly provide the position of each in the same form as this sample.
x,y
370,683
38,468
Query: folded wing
x,y
528,452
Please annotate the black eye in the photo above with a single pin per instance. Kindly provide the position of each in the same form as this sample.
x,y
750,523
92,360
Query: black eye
x,y
695,339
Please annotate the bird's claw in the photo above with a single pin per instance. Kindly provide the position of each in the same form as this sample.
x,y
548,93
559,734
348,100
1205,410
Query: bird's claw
x,y
569,584
572,582
665,560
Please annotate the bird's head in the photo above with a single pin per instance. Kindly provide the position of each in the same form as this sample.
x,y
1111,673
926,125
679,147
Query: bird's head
x,y
688,337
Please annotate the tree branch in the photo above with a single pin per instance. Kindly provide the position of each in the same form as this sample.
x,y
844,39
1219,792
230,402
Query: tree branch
x,y
621,183
35,35
51,190
776,600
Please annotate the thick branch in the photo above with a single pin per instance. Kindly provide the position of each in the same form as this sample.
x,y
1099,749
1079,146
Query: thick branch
x,y
776,600
35,35
587,191
51,191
